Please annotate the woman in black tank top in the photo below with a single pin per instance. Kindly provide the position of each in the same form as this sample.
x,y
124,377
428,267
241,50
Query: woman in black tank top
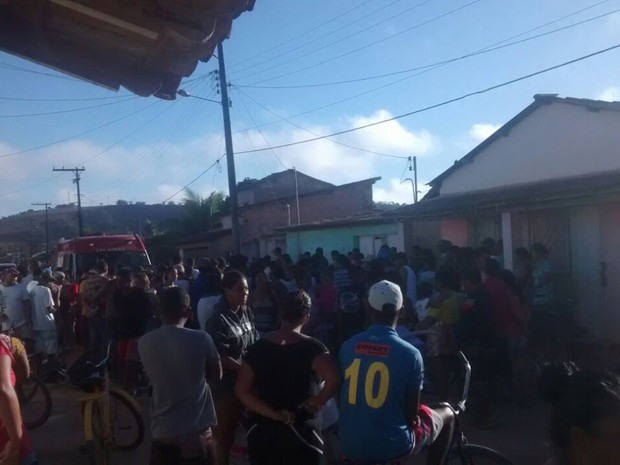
x,y
279,383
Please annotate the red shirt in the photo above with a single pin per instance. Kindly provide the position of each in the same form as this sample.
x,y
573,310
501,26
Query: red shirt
x,y
26,447
506,325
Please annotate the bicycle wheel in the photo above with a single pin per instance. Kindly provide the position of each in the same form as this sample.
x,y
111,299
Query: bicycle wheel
x,y
98,447
126,421
471,454
35,402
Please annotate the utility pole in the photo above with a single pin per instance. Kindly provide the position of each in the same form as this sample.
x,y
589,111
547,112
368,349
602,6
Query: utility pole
x,y
415,179
76,180
47,206
230,156
297,197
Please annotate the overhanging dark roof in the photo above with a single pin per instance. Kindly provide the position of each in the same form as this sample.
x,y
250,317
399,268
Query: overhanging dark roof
x,y
144,46
542,194
539,100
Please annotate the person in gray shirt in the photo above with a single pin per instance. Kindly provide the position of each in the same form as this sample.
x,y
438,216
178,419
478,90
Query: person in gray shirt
x,y
179,362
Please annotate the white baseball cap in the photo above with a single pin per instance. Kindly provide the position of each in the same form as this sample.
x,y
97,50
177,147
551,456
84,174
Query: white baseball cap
x,y
385,292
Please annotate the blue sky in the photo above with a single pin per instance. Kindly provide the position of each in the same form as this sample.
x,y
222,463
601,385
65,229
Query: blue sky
x,y
153,153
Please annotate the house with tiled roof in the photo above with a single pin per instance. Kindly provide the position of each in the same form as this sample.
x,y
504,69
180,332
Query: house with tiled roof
x,y
552,175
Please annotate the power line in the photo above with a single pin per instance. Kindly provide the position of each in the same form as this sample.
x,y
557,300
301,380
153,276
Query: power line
x,y
375,89
80,134
371,44
332,32
260,132
444,103
313,133
72,110
487,49
303,34
273,191
19,99
216,162
10,67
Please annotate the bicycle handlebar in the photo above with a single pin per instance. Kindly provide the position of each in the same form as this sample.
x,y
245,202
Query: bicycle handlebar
x,y
461,405
104,361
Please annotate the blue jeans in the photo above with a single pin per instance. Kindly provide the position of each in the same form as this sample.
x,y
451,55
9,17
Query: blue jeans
x,y
97,333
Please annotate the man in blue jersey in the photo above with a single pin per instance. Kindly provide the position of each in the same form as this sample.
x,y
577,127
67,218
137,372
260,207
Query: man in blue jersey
x,y
381,419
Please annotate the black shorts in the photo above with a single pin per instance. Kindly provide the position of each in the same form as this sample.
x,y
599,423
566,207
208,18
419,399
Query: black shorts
x,y
274,443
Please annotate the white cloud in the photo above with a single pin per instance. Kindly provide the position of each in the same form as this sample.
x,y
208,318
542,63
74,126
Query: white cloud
x,y
610,94
153,171
333,161
481,131
393,190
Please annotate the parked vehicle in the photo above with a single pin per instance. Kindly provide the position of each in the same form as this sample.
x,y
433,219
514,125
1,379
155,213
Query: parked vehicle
x,y
82,254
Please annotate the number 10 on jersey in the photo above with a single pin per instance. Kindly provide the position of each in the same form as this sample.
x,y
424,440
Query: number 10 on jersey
x,y
375,370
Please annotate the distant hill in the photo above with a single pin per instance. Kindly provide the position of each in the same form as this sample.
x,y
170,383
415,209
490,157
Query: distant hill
x,y
24,233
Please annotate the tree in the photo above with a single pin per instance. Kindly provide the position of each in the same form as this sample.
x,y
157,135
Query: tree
x,y
388,206
122,202
199,211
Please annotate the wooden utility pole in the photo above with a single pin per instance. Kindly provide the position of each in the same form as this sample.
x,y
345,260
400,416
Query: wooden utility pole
x,y
76,180
230,156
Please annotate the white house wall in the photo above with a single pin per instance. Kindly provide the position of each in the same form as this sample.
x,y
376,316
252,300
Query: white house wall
x,y
556,141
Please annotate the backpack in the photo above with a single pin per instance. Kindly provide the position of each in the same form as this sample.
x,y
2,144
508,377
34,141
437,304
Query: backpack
x,y
349,302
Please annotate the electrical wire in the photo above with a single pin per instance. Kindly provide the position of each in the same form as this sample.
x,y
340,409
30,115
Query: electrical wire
x,y
282,118
371,44
307,32
10,67
487,49
330,33
80,134
389,84
19,99
72,110
247,110
259,159
441,104
215,163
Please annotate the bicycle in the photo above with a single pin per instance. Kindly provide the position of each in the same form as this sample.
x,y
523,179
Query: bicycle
x,y
35,400
108,411
461,451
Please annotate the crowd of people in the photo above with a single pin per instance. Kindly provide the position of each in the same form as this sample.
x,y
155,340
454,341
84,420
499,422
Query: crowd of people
x,y
322,361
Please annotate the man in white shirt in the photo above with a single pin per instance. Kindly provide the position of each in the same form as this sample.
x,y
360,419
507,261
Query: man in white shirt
x,y
43,324
17,301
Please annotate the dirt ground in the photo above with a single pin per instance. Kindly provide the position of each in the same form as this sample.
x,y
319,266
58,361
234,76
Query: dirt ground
x,y
519,434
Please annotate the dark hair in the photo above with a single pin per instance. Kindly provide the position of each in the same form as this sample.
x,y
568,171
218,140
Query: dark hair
x,y
446,278
124,273
579,399
472,274
540,248
173,302
401,256
231,278
491,267
102,266
511,281
213,282
296,305
425,290
523,253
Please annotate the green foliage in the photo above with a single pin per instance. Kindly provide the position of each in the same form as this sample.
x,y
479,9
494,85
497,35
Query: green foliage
x,y
199,212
